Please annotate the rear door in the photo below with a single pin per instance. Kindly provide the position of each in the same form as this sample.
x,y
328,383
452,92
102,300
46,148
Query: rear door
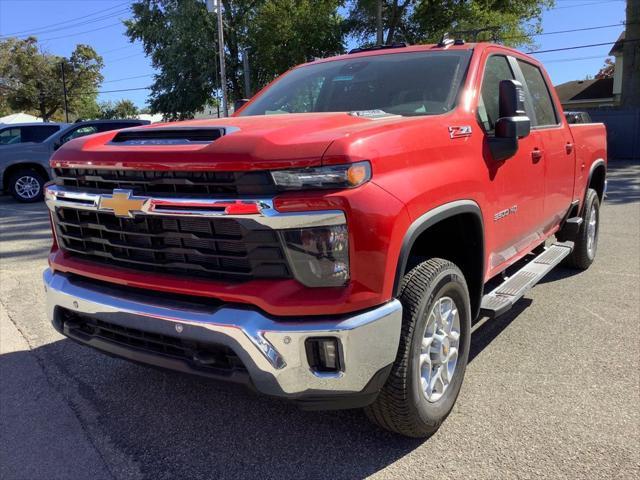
x,y
558,156
517,183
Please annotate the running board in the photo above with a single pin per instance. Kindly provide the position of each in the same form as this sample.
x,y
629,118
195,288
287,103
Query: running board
x,y
513,289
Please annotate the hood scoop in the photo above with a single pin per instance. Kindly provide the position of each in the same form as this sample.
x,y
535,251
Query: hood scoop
x,y
170,135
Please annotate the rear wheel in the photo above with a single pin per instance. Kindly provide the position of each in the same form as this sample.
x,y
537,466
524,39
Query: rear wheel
x,y
432,356
26,186
586,238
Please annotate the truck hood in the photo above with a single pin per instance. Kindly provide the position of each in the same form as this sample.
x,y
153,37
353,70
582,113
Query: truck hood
x,y
248,143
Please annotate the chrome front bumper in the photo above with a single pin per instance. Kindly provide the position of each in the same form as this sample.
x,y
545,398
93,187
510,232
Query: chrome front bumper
x,y
272,351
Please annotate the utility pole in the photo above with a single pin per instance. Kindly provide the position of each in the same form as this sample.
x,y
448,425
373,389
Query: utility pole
x,y
247,73
631,57
380,32
64,92
216,6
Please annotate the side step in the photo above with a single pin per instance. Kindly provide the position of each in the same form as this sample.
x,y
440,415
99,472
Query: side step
x,y
513,289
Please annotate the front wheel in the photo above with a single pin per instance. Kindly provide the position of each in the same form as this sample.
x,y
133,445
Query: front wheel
x,y
432,356
27,186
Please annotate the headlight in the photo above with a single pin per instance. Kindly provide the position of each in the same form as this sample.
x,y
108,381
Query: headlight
x,y
334,176
319,256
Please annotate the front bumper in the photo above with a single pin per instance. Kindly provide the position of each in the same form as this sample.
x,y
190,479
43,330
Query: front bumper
x,y
272,351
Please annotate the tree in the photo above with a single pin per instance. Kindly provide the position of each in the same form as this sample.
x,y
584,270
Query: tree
x,y
119,109
513,22
180,37
31,79
285,33
607,70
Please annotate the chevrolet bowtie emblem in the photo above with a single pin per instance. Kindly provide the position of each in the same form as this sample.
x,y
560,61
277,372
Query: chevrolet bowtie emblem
x,y
121,203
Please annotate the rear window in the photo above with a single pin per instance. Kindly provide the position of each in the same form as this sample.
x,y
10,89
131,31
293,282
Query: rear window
x,y
38,133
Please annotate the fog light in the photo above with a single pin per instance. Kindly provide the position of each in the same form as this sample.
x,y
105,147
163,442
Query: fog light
x,y
319,256
323,354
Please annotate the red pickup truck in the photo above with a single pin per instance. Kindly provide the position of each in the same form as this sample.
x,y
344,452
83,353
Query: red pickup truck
x,y
332,242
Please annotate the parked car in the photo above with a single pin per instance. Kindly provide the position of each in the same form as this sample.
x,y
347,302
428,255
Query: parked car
x,y
24,167
578,117
27,132
332,242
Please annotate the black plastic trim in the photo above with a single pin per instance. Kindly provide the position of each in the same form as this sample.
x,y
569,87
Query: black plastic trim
x,y
428,220
594,166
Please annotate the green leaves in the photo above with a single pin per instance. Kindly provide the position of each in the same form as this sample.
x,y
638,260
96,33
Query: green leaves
x,y
117,110
31,80
181,39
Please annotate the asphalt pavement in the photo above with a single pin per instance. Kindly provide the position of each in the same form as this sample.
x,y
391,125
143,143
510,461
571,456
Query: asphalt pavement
x,y
552,390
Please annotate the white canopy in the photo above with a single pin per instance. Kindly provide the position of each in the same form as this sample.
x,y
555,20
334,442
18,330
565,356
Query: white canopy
x,y
19,118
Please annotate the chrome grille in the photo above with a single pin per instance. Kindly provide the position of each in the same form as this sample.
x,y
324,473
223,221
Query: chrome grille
x,y
167,183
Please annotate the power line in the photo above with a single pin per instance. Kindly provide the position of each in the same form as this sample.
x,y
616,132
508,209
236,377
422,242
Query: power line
x,y
586,4
129,78
574,59
77,25
581,46
80,33
39,30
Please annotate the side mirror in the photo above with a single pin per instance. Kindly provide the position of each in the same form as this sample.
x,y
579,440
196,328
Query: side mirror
x,y
238,104
513,122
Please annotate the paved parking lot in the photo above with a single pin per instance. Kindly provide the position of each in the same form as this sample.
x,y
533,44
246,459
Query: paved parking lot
x,y
552,389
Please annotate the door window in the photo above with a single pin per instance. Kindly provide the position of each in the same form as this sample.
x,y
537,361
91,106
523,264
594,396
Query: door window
x,y
545,112
496,70
79,132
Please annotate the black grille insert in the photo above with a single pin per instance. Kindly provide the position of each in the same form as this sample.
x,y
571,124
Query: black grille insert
x,y
167,183
201,356
215,248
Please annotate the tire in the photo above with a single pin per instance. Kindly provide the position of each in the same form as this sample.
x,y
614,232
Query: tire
x,y
403,406
584,250
20,183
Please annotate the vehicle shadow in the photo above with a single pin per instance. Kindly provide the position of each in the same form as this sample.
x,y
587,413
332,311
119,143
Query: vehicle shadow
x,y
623,179
181,426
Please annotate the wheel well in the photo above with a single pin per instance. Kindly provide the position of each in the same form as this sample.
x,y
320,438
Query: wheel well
x,y
459,239
597,180
22,166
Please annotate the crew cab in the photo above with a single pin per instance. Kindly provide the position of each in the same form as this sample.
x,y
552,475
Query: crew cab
x,y
332,242
24,159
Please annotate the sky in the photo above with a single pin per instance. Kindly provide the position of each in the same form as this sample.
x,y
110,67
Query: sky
x,y
59,27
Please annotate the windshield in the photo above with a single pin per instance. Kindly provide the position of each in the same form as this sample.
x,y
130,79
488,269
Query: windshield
x,y
416,83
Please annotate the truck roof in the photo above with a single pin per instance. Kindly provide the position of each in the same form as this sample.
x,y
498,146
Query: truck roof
x,y
432,47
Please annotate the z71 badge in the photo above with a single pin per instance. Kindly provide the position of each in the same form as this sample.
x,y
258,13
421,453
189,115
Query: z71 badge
x,y
459,132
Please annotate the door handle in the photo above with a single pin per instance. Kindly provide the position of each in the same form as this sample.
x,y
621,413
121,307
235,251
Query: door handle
x,y
536,155
569,147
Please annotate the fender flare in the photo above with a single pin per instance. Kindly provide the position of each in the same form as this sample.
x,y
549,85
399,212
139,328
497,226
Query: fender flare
x,y
594,166
427,220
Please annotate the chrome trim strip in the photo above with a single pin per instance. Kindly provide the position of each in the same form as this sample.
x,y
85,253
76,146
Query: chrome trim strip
x,y
264,212
272,350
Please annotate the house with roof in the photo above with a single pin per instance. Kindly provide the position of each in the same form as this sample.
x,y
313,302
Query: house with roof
x,y
597,92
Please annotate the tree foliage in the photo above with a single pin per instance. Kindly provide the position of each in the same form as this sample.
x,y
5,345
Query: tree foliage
x,y
513,22
31,80
180,36
607,69
119,109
